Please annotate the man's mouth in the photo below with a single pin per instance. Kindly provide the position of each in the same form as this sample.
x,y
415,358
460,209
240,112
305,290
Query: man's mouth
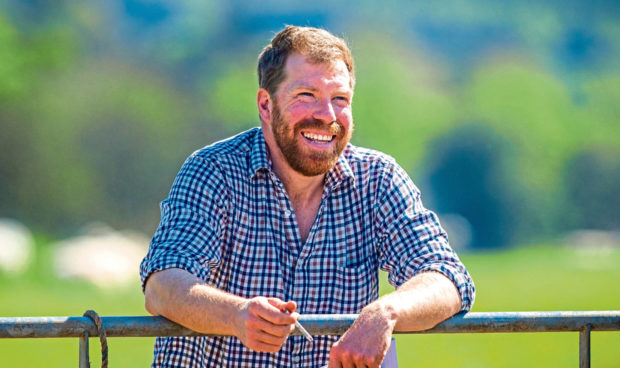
x,y
319,138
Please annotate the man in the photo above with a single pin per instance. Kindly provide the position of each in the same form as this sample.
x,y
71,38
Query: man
x,y
292,217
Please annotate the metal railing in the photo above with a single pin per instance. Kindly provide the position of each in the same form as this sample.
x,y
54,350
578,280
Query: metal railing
x,y
474,322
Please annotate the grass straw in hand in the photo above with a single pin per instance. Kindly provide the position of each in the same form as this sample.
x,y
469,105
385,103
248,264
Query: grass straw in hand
x,y
300,327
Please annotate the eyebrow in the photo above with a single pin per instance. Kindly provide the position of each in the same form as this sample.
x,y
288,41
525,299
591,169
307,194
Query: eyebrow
x,y
303,86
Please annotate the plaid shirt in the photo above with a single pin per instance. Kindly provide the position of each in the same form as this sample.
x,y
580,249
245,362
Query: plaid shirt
x,y
229,221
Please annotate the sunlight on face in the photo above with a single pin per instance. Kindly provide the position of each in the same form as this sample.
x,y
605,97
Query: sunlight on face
x,y
311,117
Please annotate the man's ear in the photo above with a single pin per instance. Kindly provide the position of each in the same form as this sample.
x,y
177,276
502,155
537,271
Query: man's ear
x,y
265,105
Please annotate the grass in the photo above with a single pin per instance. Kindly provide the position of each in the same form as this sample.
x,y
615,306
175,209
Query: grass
x,y
537,278
541,278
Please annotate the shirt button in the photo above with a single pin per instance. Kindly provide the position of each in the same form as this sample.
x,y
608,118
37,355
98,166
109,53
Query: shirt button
x,y
287,213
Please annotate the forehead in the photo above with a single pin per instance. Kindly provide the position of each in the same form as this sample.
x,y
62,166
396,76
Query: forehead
x,y
300,72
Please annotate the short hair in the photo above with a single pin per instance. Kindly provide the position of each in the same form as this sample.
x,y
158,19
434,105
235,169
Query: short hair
x,y
317,45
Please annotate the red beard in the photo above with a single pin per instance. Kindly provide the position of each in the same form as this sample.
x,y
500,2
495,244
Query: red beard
x,y
304,160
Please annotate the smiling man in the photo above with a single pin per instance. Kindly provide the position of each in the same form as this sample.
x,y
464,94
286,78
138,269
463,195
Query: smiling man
x,y
292,217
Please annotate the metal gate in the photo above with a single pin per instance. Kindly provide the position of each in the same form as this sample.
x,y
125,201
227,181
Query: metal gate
x,y
474,322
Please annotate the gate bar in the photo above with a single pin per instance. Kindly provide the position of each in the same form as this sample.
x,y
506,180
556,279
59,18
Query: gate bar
x,y
328,324
584,347
84,352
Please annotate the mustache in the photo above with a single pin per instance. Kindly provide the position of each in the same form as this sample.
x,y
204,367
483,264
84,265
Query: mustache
x,y
333,128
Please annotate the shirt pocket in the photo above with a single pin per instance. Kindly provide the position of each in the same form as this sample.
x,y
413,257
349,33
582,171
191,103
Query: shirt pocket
x,y
355,285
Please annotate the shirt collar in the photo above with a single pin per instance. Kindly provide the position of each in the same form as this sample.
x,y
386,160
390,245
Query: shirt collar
x,y
340,172
260,160
259,157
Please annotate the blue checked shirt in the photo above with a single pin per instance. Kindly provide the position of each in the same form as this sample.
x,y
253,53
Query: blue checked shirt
x,y
229,221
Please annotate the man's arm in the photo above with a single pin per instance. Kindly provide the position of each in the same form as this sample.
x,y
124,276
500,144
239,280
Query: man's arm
x,y
181,297
419,304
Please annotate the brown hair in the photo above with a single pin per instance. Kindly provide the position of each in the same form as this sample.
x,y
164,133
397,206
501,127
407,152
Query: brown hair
x,y
317,45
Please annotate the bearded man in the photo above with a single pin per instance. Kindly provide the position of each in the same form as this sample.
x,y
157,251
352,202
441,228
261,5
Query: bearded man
x,y
292,217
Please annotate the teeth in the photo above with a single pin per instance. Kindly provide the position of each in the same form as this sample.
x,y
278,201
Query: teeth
x,y
318,137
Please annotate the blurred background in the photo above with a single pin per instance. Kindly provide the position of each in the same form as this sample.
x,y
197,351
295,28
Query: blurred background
x,y
506,115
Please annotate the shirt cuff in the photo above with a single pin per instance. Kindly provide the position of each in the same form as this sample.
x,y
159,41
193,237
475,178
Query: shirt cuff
x,y
461,280
164,261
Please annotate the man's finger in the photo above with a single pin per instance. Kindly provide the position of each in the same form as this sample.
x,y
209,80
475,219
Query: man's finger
x,y
260,324
270,339
272,313
290,306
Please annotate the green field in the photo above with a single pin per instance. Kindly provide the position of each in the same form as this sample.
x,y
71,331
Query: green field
x,y
536,278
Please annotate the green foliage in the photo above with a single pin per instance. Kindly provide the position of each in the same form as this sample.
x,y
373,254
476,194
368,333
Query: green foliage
x,y
99,108
592,180
534,110
25,58
466,172
13,56
400,101
106,148
103,143
231,98
601,111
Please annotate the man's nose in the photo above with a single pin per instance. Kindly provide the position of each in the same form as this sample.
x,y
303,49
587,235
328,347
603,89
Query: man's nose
x,y
325,112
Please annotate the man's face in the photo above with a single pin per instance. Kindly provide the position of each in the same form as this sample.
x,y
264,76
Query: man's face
x,y
311,118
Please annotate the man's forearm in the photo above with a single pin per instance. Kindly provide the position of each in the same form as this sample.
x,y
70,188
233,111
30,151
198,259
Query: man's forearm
x,y
183,298
258,322
420,303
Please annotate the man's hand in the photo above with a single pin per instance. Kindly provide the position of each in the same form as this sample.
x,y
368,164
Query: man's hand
x,y
181,297
262,326
419,304
367,341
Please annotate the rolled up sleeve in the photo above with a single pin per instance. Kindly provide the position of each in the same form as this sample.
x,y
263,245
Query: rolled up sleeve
x,y
411,240
192,218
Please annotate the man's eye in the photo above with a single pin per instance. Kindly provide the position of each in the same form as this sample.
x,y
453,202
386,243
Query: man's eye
x,y
305,94
341,99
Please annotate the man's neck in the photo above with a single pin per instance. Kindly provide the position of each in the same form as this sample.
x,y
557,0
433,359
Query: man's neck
x,y
304,192
301,189
305,195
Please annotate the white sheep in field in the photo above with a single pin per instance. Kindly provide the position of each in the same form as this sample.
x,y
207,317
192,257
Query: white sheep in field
x,y
16,246
107,258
